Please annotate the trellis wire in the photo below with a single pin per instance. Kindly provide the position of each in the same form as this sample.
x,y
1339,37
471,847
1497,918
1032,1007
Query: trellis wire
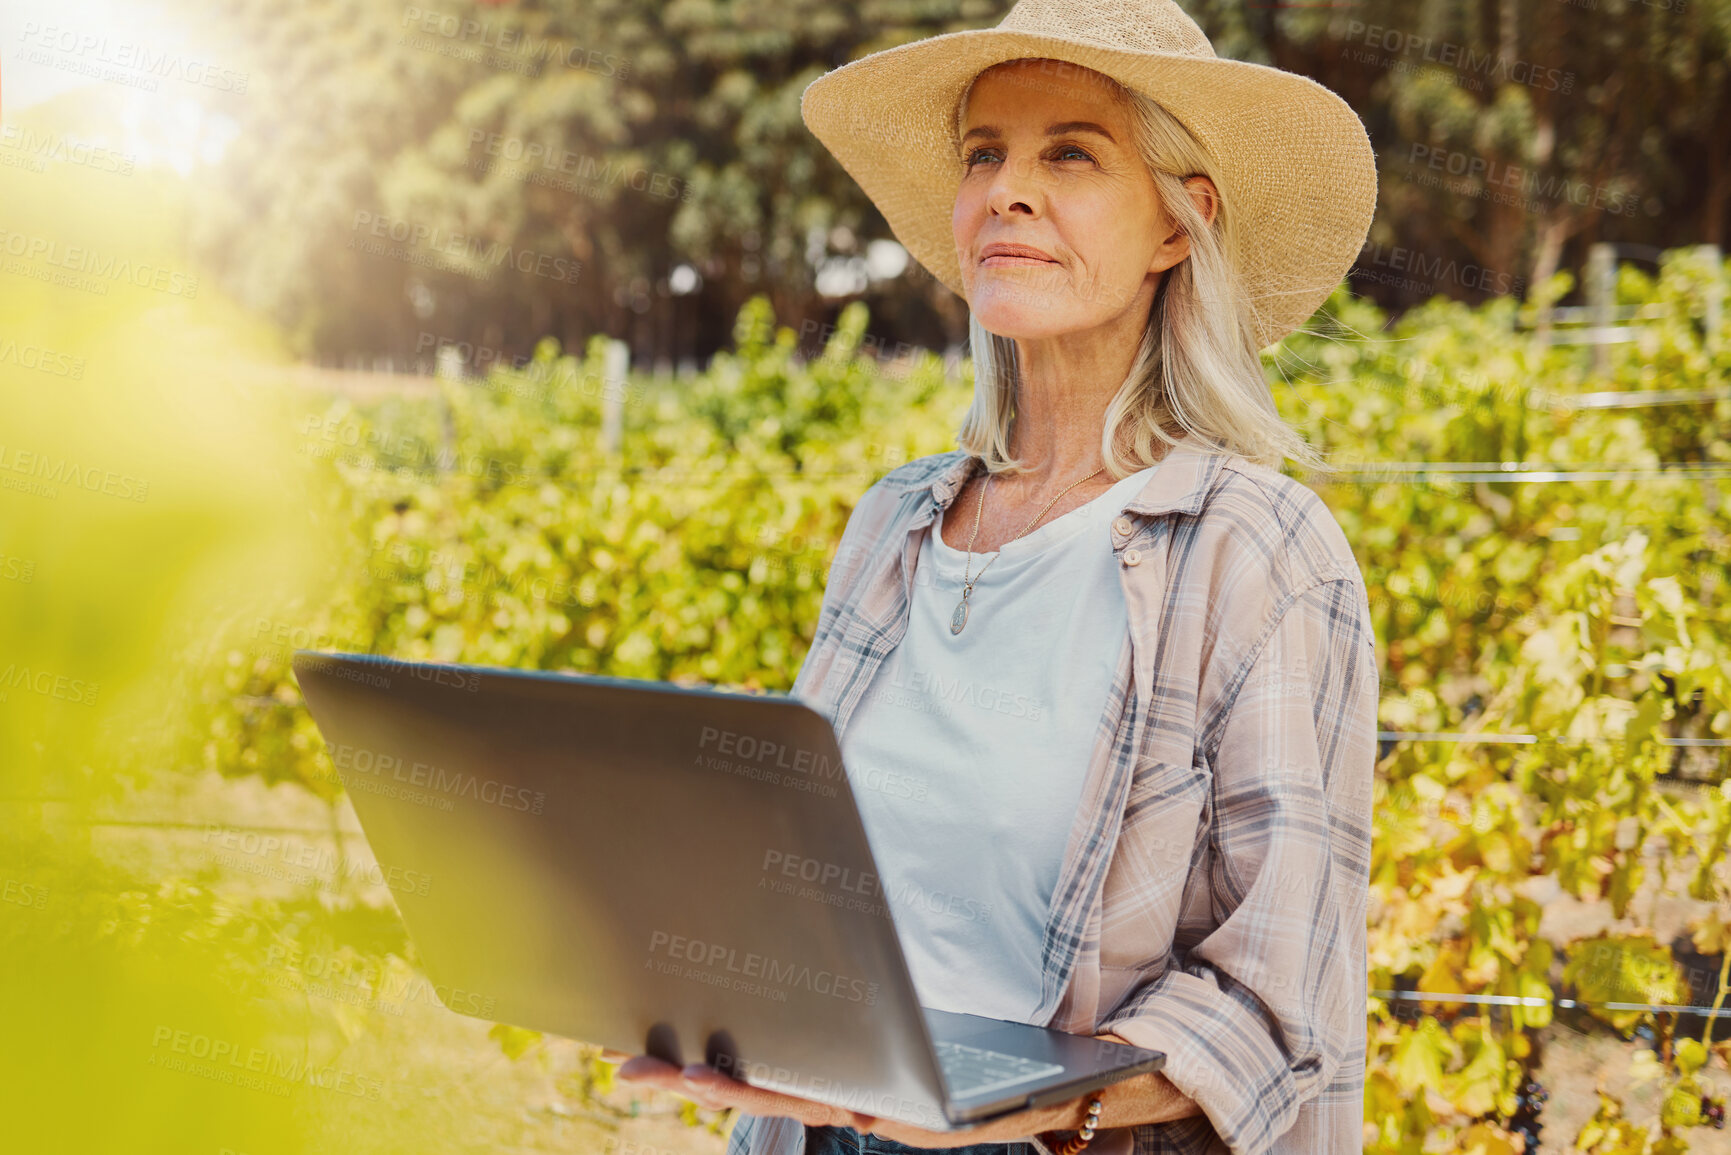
x,y
1537,1001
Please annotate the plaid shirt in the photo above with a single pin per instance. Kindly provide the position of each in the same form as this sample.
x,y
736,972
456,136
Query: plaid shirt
x,y
1211,901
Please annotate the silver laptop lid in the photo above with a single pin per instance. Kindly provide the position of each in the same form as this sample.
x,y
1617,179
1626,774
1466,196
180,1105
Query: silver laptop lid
x,y
680,872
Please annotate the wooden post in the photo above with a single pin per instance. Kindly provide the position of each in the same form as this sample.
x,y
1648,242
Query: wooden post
x,y
616,365
1714,315
1601,290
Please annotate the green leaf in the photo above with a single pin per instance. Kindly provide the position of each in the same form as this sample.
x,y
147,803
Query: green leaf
x,y
514,1041
1419,1056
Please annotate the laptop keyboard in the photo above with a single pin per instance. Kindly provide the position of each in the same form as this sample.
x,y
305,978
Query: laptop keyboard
x,y
973,1071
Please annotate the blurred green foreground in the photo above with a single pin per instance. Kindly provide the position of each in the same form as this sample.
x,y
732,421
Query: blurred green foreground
x,y
197,952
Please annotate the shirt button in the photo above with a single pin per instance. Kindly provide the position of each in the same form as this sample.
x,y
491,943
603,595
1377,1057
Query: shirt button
x,y
1132,556
1122,525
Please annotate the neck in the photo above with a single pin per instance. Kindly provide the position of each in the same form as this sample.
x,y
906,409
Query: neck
x,y
1067,382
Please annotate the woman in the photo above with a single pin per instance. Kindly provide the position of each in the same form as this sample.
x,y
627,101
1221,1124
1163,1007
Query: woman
x,y
1126,661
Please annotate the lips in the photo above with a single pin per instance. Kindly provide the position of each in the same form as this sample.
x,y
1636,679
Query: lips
x,y
1014,254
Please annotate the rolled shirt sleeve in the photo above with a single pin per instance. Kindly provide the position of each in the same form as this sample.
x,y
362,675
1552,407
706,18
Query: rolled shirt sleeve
x,y
1259,1014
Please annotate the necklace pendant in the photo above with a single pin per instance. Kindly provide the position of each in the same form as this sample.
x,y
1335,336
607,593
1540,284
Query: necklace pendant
x,y
959,618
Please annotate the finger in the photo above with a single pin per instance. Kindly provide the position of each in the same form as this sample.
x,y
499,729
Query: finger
x,y
717,1090
726,1091
706,1086
649,1069
609,1055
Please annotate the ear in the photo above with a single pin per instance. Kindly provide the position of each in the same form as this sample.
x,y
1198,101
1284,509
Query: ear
x,y
1204,196
1172,250
1176,246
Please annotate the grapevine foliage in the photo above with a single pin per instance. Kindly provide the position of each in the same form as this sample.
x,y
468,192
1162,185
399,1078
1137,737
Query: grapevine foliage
x,y
1583,609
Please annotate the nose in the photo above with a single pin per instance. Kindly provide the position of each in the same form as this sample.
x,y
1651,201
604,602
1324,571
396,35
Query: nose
x,y
1013,189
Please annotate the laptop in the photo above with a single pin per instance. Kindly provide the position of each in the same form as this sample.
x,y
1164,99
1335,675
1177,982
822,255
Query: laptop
x,y
664,870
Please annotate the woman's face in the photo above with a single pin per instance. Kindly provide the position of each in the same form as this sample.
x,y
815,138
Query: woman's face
x,y
1049,163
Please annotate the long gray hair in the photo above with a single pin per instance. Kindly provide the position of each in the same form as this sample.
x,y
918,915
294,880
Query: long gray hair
x,y
1198,369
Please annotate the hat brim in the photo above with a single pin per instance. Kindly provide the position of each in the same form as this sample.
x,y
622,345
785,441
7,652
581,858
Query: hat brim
x,y
1292,158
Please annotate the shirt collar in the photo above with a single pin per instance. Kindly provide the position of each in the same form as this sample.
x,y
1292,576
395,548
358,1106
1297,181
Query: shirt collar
x,y
1178,486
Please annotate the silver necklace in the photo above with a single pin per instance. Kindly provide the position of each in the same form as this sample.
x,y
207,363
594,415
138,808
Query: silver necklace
x,y
959,617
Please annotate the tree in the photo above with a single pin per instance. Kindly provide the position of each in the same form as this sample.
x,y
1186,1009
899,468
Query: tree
x,y
496,173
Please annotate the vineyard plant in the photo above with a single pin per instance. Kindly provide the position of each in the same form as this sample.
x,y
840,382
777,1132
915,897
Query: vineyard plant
x,y
1546,577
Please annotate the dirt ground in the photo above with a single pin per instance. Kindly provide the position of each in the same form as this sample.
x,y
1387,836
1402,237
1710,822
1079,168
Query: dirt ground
x,y
1580,1055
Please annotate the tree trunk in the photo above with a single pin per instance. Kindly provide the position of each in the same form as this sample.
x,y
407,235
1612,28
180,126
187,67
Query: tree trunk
x,y
1713,202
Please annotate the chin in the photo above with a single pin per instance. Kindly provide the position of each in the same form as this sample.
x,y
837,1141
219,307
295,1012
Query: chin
x,y
1017,309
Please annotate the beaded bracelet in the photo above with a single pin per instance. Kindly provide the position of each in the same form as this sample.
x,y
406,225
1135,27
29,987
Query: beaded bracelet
x,y
1086,1135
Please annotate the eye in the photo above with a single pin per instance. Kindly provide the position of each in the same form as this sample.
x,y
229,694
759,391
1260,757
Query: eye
x,y
1065,150
975,154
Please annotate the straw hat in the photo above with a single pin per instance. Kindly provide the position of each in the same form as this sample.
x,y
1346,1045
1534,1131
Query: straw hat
x,y
1292,158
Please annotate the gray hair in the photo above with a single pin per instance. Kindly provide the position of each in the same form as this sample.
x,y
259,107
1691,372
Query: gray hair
x,y
1198,369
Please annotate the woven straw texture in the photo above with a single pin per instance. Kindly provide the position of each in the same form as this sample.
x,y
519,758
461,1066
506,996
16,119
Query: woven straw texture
x,y
1293,159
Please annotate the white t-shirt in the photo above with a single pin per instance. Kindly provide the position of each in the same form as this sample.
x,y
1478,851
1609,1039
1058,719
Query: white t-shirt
x,y
968,751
